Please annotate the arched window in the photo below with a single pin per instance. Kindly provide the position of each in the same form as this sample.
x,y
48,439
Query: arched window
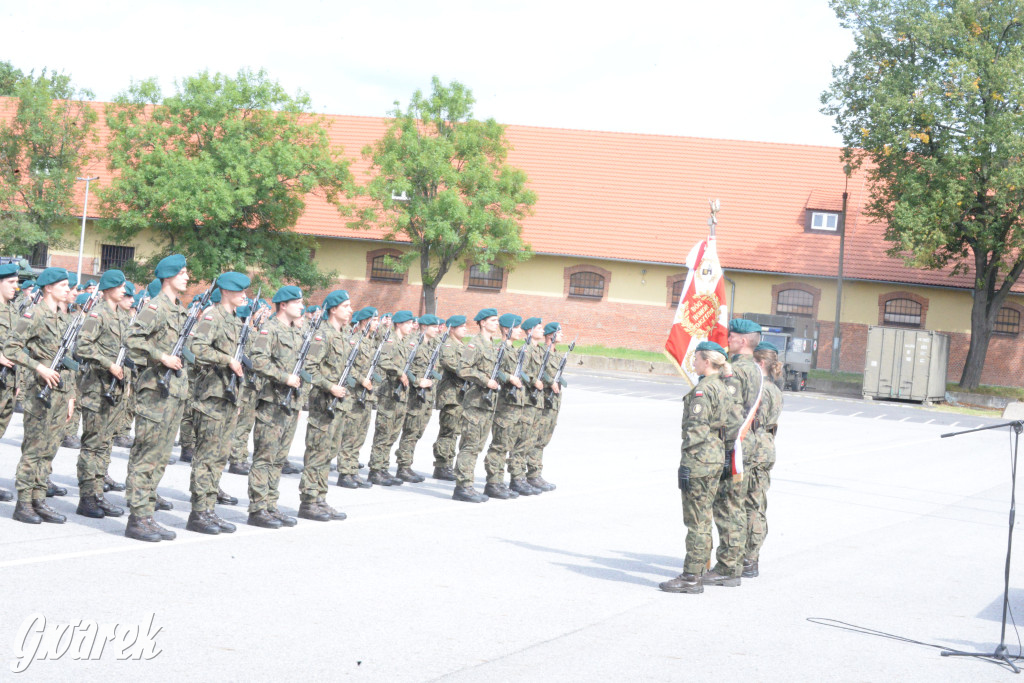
x,y
902,312
795,302
1007,321
380,272
586,285
492,279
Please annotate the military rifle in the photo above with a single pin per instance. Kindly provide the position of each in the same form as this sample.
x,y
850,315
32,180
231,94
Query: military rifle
x,y
421,392
373,364
348,368
399,390
194,311
122,355
314,325
549,400
512,391
67,342
535,395
243,336
23,305
489,394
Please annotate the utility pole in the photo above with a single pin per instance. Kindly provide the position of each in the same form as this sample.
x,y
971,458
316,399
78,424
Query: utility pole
x,y
85,212
837,330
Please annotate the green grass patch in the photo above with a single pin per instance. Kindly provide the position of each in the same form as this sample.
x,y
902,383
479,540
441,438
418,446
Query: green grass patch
x,y
844,377
618,352
1016,393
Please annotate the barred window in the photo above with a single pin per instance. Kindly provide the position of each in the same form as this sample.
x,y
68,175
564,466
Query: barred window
x,y
903,312
677,291
795,302
1007,321
586,285
40,255
492,279
379,272
113,256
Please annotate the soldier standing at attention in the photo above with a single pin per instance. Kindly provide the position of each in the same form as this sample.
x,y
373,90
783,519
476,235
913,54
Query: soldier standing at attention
x,y
448,403
548,417
391,410
508,413
705,412
150,343
418,412
762,460
478,359
8,321
274,354
532,408
357,414
258,312
189,421
34,345
99,343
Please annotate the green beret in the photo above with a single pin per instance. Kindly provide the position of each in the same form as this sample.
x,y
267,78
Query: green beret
x,y
430,319
51,275
744,326
72,279
262,303
363,314
312,309
129,289
82,298
510,320
531,323
28,283
334,299
170,266
766,346
214,297
91,283
112,278
154,288
402,316
486,313
138,297
551,328
710,346
286,294
8,270
456,321
243,311
233,282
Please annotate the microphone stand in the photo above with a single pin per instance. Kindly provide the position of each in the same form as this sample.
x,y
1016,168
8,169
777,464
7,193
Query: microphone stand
x,y
1000,655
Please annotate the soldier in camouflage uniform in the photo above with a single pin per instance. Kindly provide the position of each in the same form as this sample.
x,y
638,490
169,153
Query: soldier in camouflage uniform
x,y
391,409
479,356
356,423
328,355
188,431
758,472
533,406
71,427
99,344
124,409
545,421
506,425
248,398
706,411
150,343
8,321
448,400
33,345
418,411
274,354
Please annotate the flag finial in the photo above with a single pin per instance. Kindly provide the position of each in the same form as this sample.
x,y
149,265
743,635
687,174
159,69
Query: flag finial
x,y
716,206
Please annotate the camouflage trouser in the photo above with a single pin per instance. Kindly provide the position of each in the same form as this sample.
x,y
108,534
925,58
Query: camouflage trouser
x,y
7,403
545,429
353,434
71,427
525,442
417,417
44,429
244,423
759,478
386,428
449,419
275,429
697,515
97,439
156,421
212,421
506,431
188,425
475,428
731,520
323,432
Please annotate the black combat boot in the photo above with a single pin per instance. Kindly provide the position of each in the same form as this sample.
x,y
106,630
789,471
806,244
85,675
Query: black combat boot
x,y
539,483
139,530
363,484
283,518
71,441
201,524
187,453
289,468
347,481
468,494
713,578
124,441
54,490
750,569
224,498
225,526
162,504
109,509
165,533
87,507
335,514
110,485
380,477
47,513
443,474
406,474
24,512
238,468
520,486
314,512
684,583
263,519
6,496
499,491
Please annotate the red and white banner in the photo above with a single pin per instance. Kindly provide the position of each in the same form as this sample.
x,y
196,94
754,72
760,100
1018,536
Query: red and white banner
x,y
703,313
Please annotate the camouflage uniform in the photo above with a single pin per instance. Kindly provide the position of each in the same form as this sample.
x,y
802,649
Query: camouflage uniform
x,y
390,411
214,344
758,472
532,412
274,353
35,341
507,425
325,362
417,412
544,425
157,417
357,415
478,358
188,428
99,343
8,322
448,404
245,419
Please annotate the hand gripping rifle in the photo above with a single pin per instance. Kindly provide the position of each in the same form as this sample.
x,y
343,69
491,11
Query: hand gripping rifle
x,y
194,311
489,394
421,392
23,305
549,402
535,394
122,355
348,368
399,390
67,342
512,391
307,338
243,336
373,364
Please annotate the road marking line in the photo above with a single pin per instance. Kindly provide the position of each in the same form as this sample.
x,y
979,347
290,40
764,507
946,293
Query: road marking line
x,y
859,412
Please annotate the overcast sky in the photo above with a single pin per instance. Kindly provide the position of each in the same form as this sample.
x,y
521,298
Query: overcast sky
x,y
745,69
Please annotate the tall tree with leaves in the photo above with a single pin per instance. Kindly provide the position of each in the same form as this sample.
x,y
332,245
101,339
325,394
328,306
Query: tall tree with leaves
x,y
45,135
220,172
930,102
441,183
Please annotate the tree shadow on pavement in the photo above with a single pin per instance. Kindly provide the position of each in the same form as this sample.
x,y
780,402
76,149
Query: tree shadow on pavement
x,y
623,568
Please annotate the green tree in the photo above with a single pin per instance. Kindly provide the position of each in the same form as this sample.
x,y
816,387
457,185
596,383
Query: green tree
x,y
45,136
441,183
930,104
220,172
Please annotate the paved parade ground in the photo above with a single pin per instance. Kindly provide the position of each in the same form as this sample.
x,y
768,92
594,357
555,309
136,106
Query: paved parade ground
x,y
874,521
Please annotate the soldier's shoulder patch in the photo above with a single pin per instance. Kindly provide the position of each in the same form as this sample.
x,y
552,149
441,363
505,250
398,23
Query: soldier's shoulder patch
x,y
154,307
263,332
318,338
207,317
28,314
94,314
698,394
470,346
697,407
352,341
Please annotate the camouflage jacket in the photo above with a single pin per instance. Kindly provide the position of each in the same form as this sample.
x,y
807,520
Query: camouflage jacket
x,y
508,367
548,377
8,322
705,414
99,343
765,423
325,362
450,385
418,371
475,365
155,332
35,341
392,362
744,384
274,353
214,343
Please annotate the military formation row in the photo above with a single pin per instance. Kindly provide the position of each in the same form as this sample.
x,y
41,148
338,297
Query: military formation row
x,y
228,366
